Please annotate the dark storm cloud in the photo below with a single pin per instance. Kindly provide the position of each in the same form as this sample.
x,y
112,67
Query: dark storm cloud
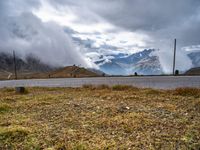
x,y
161,19
150,14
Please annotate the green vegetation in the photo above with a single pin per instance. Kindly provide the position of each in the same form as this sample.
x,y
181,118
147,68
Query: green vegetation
x,y
100,117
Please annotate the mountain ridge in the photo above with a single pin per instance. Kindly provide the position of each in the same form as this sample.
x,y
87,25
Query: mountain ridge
x,y
144,62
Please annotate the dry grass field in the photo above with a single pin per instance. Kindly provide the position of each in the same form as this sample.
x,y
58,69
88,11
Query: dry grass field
x,y
118,117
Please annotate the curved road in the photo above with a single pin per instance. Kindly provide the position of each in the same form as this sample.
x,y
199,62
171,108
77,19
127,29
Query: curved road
x,y
158,82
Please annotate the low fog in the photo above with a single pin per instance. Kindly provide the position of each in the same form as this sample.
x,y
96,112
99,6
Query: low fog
x,y
26,34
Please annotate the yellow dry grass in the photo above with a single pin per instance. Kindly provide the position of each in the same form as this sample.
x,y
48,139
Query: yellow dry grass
x,y
101,117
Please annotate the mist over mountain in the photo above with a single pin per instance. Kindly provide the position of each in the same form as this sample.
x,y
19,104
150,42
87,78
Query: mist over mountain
x,y
110,38
30,64
144,63
195,57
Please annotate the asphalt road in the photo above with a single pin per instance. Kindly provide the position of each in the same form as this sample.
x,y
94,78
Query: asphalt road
x,y
157,82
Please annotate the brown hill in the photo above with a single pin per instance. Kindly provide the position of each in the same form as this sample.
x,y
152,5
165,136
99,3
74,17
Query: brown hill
x,y
66,72
193,71
72,71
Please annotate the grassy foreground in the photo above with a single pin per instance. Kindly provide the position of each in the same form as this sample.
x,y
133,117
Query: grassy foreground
x,y
120,117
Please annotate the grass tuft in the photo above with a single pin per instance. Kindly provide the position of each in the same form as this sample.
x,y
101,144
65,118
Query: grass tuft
x,y
13,135
79,147
122,87
103,86
4,108
98,87
88,86
187,92
8,90
153,92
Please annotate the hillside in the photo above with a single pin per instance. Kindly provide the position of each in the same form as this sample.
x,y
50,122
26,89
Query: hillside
x,y
193,71
66,72
29,64
25,67
72,71
31,67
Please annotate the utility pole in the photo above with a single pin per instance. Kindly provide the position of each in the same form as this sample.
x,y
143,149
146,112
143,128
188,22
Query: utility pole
x,y
15,66
174,60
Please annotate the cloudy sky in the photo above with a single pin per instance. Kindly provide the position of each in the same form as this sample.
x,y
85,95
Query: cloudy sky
x,y
54,29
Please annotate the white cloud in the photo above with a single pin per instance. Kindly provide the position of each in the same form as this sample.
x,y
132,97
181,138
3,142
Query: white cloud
x,y
26,34
122,26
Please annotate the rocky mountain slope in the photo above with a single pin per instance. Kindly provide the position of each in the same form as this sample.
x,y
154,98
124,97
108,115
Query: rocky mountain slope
x,y
145,63
30,64
31,67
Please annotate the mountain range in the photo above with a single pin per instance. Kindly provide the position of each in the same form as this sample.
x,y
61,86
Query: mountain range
x,y
144,63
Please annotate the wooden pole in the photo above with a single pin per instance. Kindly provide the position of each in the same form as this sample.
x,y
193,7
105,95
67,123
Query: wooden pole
x,y
174,60
15,66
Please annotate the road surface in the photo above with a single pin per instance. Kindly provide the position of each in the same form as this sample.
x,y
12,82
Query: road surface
x,y
157,82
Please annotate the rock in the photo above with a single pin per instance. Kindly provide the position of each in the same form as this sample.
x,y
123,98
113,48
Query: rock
x,y
20,90
123,109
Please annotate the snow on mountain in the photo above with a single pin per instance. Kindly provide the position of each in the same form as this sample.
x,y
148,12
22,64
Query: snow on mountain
x,y
145,63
